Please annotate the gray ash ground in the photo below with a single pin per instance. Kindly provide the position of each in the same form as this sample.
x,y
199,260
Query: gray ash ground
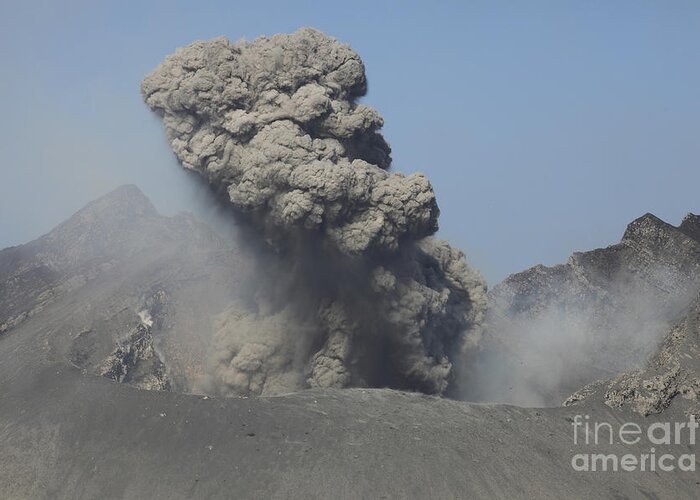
x,y
75,304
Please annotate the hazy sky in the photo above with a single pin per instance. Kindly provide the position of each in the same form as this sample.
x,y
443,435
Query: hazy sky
x,y
545,127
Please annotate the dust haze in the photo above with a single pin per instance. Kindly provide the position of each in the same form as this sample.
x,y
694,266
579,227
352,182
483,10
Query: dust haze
x,y
537,354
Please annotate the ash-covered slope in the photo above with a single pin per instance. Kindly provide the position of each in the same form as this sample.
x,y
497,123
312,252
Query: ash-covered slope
x,y
125,292
552,329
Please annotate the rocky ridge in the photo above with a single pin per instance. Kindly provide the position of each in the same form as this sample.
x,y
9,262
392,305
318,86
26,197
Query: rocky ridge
x,y
601,313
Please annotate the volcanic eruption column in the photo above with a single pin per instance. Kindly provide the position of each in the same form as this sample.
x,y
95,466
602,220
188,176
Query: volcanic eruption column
x,y
274,124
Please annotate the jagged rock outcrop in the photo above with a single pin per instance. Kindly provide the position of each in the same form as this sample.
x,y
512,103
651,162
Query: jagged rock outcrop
x,y
671,376
653,254
135,361
553,329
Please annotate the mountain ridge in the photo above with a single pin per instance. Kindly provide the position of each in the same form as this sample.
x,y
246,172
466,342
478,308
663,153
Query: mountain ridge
x,y
611,304
66,432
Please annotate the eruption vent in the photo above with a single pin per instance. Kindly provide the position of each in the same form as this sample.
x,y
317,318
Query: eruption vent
x,y
361,294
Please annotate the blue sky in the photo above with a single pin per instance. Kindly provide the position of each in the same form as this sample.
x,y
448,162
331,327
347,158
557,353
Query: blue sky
x,y
545,127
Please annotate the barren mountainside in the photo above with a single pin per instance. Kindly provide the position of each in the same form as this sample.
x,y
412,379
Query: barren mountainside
x,y
123,289
119,293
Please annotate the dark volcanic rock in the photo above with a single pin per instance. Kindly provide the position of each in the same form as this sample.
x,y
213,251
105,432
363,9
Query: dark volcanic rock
x,y
691,226
552,329
136,362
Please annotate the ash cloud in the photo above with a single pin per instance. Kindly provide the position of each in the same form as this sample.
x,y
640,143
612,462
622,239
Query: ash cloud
x,y
353,290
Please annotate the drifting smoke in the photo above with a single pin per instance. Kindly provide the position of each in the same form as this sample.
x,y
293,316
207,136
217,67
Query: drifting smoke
x,y
545,358
359,293
541,346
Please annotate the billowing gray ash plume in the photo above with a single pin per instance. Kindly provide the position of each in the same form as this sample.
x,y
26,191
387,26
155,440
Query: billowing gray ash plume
x,y
360,293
